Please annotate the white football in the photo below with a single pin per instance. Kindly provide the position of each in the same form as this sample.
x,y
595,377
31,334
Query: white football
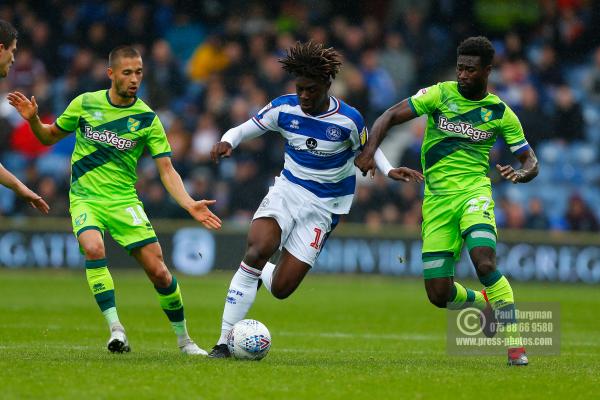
x,y
249,340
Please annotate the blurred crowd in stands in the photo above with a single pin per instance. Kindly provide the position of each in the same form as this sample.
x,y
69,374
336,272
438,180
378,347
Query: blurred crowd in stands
x,y
210,65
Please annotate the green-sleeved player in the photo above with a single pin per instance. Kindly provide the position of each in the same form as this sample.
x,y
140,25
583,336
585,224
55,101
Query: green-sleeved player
x,y
463,122
112,127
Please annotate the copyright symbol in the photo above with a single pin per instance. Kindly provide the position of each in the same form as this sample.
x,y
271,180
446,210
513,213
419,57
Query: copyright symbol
x,y
468,322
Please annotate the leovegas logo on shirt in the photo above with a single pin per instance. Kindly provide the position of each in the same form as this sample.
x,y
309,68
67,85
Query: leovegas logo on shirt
x,y
463,128
109,138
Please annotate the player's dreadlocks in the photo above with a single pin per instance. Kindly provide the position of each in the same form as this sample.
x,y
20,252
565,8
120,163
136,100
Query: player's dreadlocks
x,y
477,46
312,60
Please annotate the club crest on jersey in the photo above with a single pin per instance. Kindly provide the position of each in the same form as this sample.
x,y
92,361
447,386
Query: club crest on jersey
x,y
133,124
486,115
333,133
81,219
295,124
311,143
109,138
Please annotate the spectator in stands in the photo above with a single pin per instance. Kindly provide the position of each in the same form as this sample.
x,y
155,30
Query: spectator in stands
x,y
568,124
533,118
579,216
163,79
536,217
400,63
382,91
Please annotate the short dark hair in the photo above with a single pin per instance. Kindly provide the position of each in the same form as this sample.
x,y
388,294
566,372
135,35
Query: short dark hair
x,y
120,52
312,60
8,33
477,46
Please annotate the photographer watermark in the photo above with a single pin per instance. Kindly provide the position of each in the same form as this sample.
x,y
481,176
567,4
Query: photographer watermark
x,y
533,325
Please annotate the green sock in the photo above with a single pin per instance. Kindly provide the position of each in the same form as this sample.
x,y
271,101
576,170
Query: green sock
x,y
172,304
101,284
501,298
462,297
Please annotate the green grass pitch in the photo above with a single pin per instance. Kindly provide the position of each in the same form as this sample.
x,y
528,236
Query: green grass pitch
x,y
338,337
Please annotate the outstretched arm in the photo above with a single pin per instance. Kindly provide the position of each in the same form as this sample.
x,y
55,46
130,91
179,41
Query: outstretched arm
x,y
174,185
12,182
394,115
233,137
47,134
397,174
529,168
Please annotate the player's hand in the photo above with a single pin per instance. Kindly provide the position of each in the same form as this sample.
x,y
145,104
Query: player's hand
x,y
220,150
26,107
35,201
405,174
509,173
366,163
199,210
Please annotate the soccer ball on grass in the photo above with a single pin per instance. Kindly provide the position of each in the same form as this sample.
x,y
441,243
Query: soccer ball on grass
x,y
249,340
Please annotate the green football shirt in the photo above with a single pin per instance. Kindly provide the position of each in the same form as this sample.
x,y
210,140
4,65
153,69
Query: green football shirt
x,y
109,141
459,135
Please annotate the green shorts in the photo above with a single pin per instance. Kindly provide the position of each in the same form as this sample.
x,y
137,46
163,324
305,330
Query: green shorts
x,y
447,220
125,220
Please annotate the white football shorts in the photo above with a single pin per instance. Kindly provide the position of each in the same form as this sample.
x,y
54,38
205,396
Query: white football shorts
x,y
304,223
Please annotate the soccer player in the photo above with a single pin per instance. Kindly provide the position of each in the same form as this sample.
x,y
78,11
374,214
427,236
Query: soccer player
x,y
315,187
8,46
463,123
112,127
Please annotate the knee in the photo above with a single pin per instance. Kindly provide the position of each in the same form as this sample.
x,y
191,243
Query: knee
x,y
161,277
438,298
94,251
484,260
485,266
257,255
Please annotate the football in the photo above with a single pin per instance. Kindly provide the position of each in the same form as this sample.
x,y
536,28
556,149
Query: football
x,y
249,340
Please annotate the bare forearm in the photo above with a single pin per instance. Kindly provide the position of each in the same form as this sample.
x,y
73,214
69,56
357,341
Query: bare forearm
x,y
397,114
174,185
12,182
44,132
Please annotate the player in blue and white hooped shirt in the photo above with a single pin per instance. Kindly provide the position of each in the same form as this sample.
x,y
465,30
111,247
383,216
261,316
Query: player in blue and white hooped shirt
x,y
317,184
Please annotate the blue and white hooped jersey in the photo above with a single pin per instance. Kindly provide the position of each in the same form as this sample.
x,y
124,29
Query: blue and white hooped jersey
x,y
319,150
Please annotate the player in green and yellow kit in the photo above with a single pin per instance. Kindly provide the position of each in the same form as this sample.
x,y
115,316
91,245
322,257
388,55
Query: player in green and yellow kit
x,y
463,122
112,127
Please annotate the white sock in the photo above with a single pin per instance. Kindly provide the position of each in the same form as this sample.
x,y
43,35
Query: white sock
x,y
180,329
112,318
240,297
267,275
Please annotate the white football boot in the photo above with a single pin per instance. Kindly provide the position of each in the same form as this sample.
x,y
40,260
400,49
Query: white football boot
x,y
118,341
188,346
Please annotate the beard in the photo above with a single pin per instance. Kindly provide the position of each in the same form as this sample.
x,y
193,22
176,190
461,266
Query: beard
x,y
125,93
